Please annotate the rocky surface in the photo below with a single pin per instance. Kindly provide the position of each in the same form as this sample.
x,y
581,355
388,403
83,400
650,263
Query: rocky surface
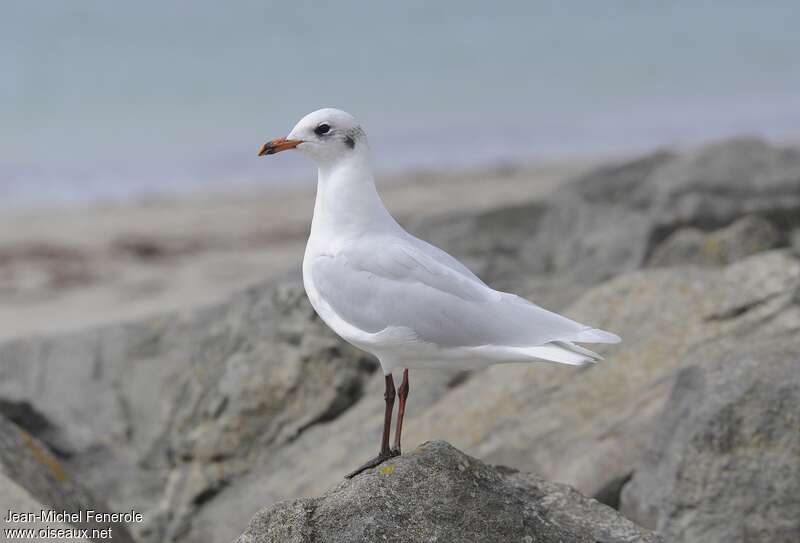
x,y
168,411
747,236
612,219
724,464
588,427
24,460
15,498
437,493
215,413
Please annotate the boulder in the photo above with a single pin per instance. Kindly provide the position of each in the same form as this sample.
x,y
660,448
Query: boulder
x,y
585,427
312,463
794,238
588,427
15,498
438,493
692,246
611,220
161,414
33,480
724,464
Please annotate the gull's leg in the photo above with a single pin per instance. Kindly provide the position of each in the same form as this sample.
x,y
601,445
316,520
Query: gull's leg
x,y
402,393
386,453
388,396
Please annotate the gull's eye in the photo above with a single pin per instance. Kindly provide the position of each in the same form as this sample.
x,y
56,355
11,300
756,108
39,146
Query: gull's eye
x,y
322,129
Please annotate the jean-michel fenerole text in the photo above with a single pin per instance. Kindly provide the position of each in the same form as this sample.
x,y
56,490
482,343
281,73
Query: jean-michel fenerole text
x,y
89,515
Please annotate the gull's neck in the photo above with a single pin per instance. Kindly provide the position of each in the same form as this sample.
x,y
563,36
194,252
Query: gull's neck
x,y
348,204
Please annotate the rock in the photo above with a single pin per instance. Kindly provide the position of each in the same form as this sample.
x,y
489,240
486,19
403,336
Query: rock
x,y
795,241
15,498
313,462
161,414
611,220
717,183
437,493
168,414
725,461
692,246
584,427
32,480
589,427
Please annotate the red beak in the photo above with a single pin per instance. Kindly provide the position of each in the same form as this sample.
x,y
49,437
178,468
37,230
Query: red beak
x,y
277,145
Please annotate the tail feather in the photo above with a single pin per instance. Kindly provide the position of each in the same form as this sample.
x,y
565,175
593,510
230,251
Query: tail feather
x,y
578,349
595,335
563,351
555,352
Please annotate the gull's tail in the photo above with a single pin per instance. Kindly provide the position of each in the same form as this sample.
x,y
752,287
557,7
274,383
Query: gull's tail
x,y
567,352
595,335
562,352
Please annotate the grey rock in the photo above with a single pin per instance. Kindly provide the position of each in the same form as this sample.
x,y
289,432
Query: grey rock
x,y
584,427
692,246
794,240
589,427
162,414
725,461
716,184
314,461
437,493
611,220
34,476
15,498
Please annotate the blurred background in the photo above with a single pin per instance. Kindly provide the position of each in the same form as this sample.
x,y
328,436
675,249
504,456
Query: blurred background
x,y
633,165
108,100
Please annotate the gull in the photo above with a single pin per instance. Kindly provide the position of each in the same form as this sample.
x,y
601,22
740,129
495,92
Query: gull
x,y
393,295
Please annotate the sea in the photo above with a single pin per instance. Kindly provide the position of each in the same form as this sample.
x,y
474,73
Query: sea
x,y
106,100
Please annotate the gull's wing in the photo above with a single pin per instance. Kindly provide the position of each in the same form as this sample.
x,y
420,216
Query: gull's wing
x,y
442,257
392,283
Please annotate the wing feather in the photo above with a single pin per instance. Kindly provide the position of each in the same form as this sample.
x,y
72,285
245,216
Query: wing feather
x,y
403,286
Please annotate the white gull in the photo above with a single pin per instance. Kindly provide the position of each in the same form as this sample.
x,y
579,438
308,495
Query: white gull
x,y
408,303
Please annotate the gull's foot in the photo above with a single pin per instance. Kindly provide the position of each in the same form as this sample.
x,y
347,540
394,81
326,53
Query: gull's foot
x,y
396,451
377,461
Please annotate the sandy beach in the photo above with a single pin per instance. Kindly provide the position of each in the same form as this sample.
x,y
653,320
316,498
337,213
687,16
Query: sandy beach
x,y
65,269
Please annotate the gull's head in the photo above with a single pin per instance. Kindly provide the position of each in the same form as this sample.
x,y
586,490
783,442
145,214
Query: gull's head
x,y
326,135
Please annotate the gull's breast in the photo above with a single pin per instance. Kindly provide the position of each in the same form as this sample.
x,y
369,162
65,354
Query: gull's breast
x,y
343,329
377,343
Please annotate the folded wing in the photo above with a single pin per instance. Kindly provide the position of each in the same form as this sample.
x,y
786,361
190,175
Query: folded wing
x,y
405,286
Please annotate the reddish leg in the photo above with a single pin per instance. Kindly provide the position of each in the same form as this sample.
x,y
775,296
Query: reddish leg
x,y
401,411
386,453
